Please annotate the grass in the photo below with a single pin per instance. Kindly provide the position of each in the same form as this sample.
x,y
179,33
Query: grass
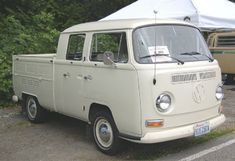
x,y
24,123
155,151
7,105
213,135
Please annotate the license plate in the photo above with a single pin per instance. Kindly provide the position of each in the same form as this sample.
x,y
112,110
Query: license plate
x,y
201,129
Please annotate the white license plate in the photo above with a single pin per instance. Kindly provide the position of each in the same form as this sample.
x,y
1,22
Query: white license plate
x,y
201,128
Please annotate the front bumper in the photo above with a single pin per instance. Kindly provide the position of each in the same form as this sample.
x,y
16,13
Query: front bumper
x,y
179,132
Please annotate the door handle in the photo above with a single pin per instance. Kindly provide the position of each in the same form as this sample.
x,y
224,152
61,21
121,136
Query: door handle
x,y
88,77
66,75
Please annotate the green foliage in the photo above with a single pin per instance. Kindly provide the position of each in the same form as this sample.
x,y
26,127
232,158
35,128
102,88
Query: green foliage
x,y
5,78
32,26
37,37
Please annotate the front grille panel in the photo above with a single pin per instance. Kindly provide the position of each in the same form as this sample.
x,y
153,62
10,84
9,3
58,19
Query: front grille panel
x,y
190,77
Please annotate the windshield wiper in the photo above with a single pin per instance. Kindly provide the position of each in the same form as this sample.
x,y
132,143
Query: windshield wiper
x,y
191,53
197,53
147,56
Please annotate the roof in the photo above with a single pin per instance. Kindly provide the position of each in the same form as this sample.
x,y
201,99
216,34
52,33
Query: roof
x,y
119,24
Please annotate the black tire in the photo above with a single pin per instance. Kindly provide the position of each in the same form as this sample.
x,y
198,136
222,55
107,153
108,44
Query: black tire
x,y
35,113
230,79
105,133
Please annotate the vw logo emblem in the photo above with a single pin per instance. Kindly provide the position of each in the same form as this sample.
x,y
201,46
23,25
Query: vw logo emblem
x,y
199,93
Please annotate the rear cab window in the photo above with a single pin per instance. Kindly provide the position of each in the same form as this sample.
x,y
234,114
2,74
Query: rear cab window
x,y
75,47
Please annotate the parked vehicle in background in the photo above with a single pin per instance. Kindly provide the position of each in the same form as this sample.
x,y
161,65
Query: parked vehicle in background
x,y
142,80
222,46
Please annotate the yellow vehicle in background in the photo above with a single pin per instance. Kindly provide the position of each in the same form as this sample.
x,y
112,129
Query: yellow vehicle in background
x,y
222,46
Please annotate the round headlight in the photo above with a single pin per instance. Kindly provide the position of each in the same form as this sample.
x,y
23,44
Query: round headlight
x,y
219,93
163,102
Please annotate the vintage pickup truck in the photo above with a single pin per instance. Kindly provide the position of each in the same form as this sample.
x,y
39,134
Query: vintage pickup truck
x,y
141,80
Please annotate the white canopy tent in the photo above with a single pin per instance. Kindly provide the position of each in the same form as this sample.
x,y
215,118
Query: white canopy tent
x,y
206,14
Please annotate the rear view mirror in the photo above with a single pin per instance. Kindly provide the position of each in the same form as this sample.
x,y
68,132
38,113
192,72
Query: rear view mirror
x,y
108,58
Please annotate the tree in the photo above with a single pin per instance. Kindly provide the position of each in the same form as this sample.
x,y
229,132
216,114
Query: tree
x,y
17,38
32,26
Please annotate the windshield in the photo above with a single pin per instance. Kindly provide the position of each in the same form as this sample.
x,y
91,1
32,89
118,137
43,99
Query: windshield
x,y
169,43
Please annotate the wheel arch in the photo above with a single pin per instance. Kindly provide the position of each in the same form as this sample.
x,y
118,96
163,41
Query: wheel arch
x,y
96,107
24,96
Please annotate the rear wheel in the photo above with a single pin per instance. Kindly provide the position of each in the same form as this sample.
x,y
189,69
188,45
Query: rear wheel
x,y
230,79
105,133
34,111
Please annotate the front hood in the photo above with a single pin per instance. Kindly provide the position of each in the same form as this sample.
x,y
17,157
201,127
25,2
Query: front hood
x,y
191,89
191,86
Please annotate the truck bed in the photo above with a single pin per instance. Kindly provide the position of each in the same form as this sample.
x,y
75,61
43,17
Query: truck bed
x,y
33,74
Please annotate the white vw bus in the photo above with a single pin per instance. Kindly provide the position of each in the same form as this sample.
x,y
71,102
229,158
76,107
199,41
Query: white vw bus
x,y
141,80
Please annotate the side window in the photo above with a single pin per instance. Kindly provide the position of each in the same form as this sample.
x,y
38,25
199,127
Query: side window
x,y
111,42
75,47
226,41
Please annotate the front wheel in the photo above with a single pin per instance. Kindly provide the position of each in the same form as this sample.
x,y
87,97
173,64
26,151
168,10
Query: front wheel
x,y
105,133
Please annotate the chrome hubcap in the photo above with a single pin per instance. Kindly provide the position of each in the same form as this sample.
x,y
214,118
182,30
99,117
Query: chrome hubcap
x,y
32,108
104,133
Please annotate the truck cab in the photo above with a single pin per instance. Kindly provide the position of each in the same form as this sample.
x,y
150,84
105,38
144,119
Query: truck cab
x,y
141,80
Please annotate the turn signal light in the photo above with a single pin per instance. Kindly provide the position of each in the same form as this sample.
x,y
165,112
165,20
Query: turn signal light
x,y
154,123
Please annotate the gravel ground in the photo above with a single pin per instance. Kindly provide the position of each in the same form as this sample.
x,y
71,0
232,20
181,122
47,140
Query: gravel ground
x,y
67,139
60,139
229,106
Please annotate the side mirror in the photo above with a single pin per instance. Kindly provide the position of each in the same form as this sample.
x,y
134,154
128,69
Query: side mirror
x,y
108,58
